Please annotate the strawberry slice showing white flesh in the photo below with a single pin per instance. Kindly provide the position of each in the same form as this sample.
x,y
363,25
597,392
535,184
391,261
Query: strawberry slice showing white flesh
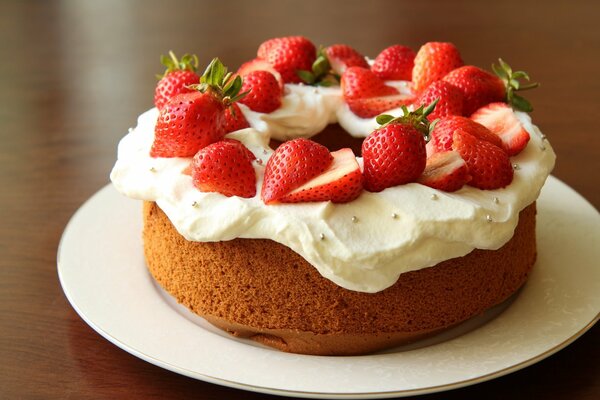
x,y
340,183
373,106
501,120
445,171
259,64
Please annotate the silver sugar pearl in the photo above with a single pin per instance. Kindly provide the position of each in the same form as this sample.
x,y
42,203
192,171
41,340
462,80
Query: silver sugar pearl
x,y
434,196
496,200
488,218
394,215
130,130
321,236
259,161
354,219
516,167
195,204
152,169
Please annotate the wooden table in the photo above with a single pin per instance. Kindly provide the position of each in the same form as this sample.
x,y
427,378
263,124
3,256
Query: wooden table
x,y
74,76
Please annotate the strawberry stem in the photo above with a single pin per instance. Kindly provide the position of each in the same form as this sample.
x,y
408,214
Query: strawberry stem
x,y
513,84
217,79
320,73
417,118
189,62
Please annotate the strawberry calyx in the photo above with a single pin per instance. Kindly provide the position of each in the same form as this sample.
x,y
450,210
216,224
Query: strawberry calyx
x,y
321,73
188,62
217,79
513,84
417,118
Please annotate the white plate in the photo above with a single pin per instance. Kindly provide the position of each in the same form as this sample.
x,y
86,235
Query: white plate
x,y
102,271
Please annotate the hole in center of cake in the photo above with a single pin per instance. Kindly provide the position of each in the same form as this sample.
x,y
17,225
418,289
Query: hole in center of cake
x,y
334,137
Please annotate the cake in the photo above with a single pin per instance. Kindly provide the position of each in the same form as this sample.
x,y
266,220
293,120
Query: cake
x,y
309,249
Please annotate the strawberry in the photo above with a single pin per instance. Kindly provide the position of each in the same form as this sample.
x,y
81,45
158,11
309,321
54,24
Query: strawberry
x,y
293,164
443,132
340,183
489,165
234,119
264,92
450,99
225,167
394,63
394,154
432,62
178,75
501,120
259,64
342,57
445,171
288,55
191,121
479,87
367,95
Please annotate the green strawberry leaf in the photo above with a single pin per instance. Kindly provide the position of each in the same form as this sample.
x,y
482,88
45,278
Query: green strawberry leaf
x,y
513,84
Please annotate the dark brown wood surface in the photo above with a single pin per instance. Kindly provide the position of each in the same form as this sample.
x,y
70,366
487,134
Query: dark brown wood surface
x,y
75,74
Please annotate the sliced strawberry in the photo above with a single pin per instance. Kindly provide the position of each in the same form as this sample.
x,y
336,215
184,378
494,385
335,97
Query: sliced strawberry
x,y
445,171
293,164
394,63
259,64
288,55
340,183
224,167
342,57
234,119
264,93
501,120
373,106
360,82
489,165
450,100
479,87
433,61
443,133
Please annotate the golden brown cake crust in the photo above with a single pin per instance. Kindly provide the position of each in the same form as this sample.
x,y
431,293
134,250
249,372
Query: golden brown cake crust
x,y
261,289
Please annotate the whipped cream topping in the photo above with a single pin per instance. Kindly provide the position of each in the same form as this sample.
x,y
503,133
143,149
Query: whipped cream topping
x,y
363,245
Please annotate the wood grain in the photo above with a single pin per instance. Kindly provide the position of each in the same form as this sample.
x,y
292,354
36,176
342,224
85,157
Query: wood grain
x,y
75,74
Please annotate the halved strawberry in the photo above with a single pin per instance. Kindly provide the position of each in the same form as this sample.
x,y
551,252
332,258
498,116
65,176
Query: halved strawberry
x,y
373,106
479,87
293,164
443,133
501,120
225,167
342,57
234,119
432,62
445,171
489,165
340,183
288,55
394,63
264,93
259,64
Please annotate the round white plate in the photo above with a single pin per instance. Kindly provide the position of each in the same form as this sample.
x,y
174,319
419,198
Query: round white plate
x,y
102,272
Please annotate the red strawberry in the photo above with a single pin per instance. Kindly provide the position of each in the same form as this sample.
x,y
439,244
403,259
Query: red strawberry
x,y
179,75
293,164
443,133
264,92
501,120
394,63
191,121
288,55
225,167
479,87
340,183
234,119
342,57
394,154
445,171
259,64
433,61
450,99
488,165
373,106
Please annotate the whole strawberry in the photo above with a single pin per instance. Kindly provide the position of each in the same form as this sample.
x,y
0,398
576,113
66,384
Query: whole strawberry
x,y
288,55
479,87
489,165
394,154
176,79
191,121
443,133
292,164
234,119
225,167
264,92
450,98
432,62
394,63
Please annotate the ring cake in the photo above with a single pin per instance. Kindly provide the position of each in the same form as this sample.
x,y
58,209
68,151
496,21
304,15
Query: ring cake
x,y
309,201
